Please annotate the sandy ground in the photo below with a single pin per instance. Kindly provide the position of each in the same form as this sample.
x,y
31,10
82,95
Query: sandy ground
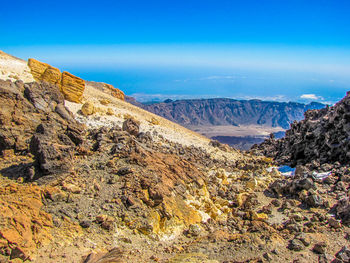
x,y
238,131
14,68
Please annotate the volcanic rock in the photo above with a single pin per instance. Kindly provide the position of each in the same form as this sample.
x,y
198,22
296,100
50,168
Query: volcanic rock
x,y
131,126
34,118
342,209
320,247
322,137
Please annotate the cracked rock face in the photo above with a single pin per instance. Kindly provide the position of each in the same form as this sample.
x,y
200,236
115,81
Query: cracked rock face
x,y
322,137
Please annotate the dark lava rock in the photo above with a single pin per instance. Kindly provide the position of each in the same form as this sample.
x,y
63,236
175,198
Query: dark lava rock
x,y
124,171
314,200
85,223
320,248
296,245
342,209
322,137
131,126
33,118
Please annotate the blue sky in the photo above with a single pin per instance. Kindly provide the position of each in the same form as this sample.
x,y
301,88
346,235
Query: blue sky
x,y
282,50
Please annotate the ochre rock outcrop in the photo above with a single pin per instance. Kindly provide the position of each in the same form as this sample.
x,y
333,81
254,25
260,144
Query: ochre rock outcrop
x,y
24,225
107,88
72,87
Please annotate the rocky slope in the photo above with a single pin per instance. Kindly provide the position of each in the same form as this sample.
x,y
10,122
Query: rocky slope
x,y
231,112
322,137
105,181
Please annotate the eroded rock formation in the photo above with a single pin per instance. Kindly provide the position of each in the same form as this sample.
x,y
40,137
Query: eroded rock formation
x,y
72,87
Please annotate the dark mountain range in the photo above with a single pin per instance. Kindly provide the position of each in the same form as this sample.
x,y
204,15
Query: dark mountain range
x,y
198,112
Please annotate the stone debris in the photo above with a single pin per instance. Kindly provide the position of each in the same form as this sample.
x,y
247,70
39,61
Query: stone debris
x,y
119,193
321,138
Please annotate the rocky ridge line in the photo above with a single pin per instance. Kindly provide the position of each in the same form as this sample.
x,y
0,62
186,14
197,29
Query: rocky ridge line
x,y
198,112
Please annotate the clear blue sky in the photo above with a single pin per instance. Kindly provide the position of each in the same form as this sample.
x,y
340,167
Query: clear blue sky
x,y
268,49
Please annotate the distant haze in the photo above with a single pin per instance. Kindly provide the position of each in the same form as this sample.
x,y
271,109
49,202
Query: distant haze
x,y
291,50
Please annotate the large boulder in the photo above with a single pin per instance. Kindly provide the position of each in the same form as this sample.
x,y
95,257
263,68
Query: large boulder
x,y
72,87
37,68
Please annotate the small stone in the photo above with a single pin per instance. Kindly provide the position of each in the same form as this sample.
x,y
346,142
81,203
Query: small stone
x,y
71,188
85,223
314,200
297,217
334,223
276,202
154,258
296,245
259,216
275,251
107,222
320,248
110,111
267,256
304,238
124,171
105,101
131,126
125,240
194,230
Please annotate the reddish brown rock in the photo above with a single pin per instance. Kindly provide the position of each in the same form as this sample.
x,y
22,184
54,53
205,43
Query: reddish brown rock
x,y
25,226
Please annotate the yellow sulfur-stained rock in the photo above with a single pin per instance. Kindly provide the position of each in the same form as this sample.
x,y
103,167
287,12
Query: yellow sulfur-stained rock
x,y
259,216
252,184
24,224
110,111
72,87
105,102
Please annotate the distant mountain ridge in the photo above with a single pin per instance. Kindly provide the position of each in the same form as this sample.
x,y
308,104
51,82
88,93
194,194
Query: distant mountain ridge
x,y
224,111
